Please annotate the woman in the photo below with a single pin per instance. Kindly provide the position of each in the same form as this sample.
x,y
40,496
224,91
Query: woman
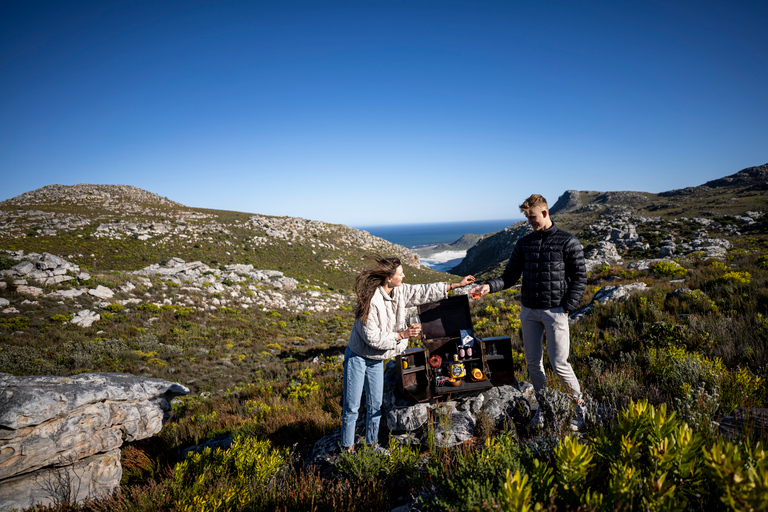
x,y
379,333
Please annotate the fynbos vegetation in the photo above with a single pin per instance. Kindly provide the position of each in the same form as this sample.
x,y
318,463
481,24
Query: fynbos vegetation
x,y
661,363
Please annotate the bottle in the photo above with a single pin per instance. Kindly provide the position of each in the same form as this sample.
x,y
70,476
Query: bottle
x,y
457,369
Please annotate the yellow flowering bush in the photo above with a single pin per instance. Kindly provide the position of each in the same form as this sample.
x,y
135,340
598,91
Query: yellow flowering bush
x,y
734,278
303,386
667,269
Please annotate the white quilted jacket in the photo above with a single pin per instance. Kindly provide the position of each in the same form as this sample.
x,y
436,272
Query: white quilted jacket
x,y
377,338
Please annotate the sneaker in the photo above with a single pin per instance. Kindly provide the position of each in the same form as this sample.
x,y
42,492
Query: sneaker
x,y
577,423
380,449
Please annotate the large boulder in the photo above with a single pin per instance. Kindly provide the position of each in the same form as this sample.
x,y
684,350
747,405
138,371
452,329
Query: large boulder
x,y
604,253
56,430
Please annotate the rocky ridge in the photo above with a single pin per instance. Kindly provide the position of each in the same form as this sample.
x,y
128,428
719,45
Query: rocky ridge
x,y
197,285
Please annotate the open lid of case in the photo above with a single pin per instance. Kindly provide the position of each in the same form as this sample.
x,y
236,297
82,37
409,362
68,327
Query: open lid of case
x,y
445,318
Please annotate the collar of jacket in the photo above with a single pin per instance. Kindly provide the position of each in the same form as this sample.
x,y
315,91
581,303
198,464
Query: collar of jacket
x,y
546,232
385,294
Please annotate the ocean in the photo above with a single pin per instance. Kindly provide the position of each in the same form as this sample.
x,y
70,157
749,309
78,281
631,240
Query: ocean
x,y
414,236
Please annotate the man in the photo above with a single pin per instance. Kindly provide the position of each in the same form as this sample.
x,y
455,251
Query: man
x,y
551,263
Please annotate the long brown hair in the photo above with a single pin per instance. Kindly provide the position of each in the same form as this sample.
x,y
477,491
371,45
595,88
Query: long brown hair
x,y
369,281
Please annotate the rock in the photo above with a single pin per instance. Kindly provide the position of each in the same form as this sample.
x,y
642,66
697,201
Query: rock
x,y
56,280
460,427
752,418
85,318
407,418
501,402
96,475
71,428
604,253
4,302
614,293
50,262
24,268
67,294
608,294
29,290
668,249
102,292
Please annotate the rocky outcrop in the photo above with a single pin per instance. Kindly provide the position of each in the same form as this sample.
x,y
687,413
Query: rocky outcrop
x,y
604,253
235,285
755,178
60,437
608,294
569,201
46,269
492,250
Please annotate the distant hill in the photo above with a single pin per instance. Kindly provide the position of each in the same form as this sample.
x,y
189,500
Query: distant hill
x,y
576,211
121,227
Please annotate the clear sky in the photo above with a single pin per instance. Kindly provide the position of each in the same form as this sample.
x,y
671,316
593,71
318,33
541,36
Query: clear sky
x,y
380,112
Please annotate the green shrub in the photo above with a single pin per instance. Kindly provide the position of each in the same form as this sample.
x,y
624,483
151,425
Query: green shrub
x,y
149,307
467,478
183,311
234,478
27,360
363,465
648,459
114,308
16,323
677,371
740,474
6,262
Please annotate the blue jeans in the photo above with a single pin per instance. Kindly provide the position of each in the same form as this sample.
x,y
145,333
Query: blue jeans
x,y
361,374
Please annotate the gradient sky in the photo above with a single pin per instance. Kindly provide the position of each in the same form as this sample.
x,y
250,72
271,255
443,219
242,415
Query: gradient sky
x,y
380,112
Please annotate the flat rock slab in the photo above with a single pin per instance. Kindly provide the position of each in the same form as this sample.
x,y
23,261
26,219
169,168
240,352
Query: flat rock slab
x,y
26,401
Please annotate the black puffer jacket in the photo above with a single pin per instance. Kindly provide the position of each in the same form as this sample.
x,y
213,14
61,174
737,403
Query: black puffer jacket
x,y
551,262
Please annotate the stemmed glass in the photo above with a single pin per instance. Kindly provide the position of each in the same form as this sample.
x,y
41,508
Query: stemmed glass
x,y
414,321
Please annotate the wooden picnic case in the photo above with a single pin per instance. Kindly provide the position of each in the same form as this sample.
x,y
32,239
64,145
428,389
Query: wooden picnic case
x,y
448,347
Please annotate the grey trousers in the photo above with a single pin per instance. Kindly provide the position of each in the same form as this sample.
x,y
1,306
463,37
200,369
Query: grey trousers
x,y
554,321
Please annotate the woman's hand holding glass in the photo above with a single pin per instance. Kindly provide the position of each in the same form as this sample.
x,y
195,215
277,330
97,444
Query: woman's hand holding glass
x,y
414,328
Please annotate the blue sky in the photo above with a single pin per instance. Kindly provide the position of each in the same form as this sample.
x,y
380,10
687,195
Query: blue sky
x,y
380,112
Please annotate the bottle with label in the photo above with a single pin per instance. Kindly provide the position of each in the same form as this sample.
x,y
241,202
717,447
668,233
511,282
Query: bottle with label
x,y
457,368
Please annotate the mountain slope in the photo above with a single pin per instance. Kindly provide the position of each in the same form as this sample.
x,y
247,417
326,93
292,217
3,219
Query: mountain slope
x,y
119,227
579,212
